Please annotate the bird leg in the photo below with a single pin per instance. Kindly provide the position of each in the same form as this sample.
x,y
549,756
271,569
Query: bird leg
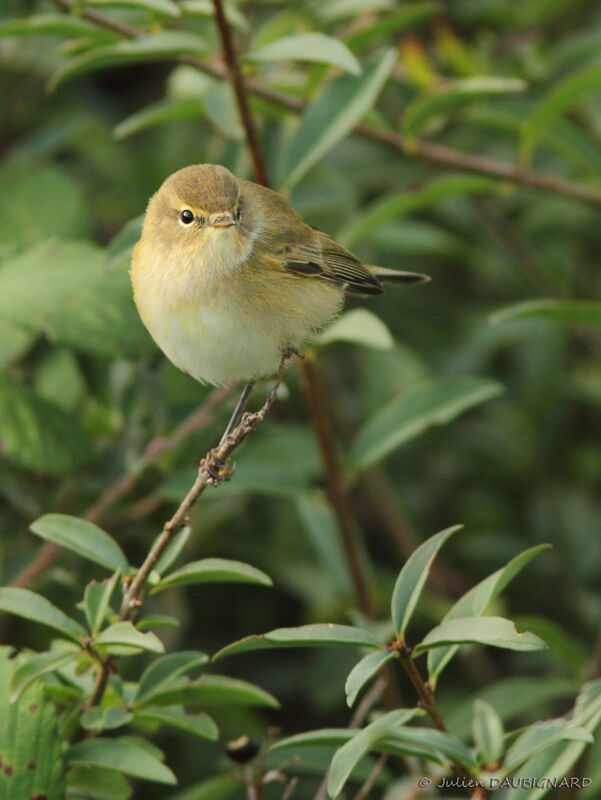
x,y
238,411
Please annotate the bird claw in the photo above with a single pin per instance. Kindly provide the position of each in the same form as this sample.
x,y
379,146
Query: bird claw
x,y
218,470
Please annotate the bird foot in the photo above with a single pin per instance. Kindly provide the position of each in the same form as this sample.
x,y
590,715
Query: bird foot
x,y
218,470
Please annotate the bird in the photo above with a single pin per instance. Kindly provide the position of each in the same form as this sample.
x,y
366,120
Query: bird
x,y
229,280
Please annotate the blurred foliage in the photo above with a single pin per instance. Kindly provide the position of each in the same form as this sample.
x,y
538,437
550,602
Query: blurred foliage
x,y
511,305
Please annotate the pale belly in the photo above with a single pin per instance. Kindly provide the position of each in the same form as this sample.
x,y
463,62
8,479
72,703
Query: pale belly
x,y
222,335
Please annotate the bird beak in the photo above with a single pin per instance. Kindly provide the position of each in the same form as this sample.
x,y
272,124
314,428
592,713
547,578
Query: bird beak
x,y
222,220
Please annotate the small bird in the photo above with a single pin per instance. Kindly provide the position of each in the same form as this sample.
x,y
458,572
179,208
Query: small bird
x,y
228,279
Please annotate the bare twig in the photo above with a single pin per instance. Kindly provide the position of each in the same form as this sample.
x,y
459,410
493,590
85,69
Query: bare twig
x,y
436,154
373,776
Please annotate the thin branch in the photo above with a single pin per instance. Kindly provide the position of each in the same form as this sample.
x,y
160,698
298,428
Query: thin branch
x,y
198,420
373,776
436,154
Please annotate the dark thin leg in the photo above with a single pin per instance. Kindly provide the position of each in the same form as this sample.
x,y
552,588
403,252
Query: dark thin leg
x,y
240,406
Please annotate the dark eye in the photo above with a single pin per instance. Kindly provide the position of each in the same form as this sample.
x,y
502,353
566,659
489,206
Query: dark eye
x,y
186,216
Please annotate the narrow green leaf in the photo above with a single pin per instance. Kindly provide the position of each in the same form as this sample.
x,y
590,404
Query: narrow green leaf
x,y
37,665
364,671
434,401
83,537
407,202
109,718
168,668
450,97
359,326
38,434
208,690
219,787
124,633
214,570
65,25
199,724
220,106
390,23
173,550
578,312
319,635
162,46
475,602
494,631
96,599
157,621
97,783
308,47
488,733
328,119
125,754
36,608
205,8
166,7
170,110
559,99
539,737
412,578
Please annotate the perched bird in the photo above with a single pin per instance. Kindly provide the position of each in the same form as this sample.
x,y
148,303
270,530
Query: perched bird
x,y
228,279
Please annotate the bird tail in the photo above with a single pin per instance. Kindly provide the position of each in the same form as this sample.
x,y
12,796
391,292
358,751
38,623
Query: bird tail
x,y
398,276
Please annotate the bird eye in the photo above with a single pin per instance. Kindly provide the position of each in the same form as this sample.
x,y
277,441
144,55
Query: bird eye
x,y
186,216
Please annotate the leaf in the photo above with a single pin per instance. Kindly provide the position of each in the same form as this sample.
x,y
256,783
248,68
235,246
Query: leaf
x,y
199,724
578,312
157,621
539,737
96,601
125,754
30,746
105,718
392,22
124,633
166,7
36,608
308,47
173,550
494,631
64,25
208,690
37,665
407,202
358,326
166,669
38,434
170,110
214,570
328,119
412,578
206,8
476,601
364,671
220,106
83,537
448,98
97,783
319,635
319,525
435,401
555,102
349,755
488,733
163,46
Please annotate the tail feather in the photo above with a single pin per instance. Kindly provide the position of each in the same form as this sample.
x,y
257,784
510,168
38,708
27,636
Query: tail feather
x,y
398,276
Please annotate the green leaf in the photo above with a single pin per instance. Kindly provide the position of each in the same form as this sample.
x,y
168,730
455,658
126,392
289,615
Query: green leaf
x,y
126,754
364,671
219,787
208,690
319,635
83,537
349,755
166,7
64,25
173,550
169,110
37,665
214,570
157,621
358,326
97,783
205,8
488,733
559,99
220,106
36,433
392,22
475,602
166,669
435,401
29,741
578,312
494,631
109,718
401,204
328,119
308,47
199,724
539,737
412,578
450,97
124,633
163,46
96,601
36,608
